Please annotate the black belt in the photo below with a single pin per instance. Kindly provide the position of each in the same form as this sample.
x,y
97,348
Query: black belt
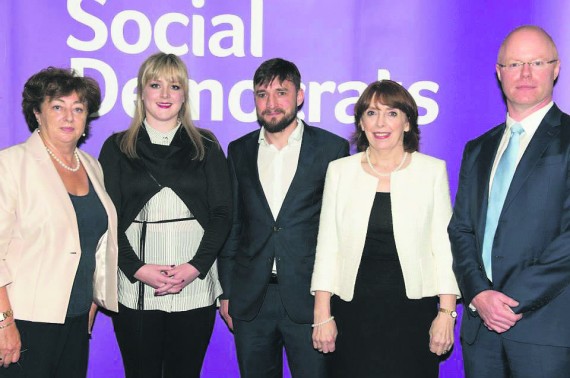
x,y
273,278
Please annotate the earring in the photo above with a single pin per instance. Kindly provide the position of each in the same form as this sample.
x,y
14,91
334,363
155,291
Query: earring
x,y
83,135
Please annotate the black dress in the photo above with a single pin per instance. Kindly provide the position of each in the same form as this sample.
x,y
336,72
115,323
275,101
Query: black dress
x,y
382,333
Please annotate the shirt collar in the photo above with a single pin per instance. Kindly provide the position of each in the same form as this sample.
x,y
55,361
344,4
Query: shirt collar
x,y
157,137
531,122
295,138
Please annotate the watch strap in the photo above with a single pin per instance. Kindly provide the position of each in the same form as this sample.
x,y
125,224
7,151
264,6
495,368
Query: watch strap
x,y
451,313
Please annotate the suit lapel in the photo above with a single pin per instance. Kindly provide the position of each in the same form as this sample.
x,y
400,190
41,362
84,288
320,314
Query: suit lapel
x,y
544,135
486,158
251,151
50,178
306,158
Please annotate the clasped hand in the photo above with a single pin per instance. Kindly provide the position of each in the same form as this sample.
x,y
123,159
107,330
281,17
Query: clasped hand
x,y
495,308
167,279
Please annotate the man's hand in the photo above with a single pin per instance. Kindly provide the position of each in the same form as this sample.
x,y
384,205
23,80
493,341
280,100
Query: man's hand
x,y
495,309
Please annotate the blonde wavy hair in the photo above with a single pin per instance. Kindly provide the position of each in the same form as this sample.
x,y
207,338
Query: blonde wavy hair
x,y
169,67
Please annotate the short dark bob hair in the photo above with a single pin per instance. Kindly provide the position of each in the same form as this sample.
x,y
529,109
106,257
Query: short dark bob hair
x,y
392,94
54,82
277,68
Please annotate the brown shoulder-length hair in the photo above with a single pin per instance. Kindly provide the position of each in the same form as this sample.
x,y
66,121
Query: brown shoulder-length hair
x,y
392,94
53,82
172,68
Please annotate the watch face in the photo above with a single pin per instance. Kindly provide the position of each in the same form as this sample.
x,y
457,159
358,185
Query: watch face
x,y
453,314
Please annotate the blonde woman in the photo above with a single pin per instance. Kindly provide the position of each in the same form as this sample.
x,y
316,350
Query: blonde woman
x,y
170,183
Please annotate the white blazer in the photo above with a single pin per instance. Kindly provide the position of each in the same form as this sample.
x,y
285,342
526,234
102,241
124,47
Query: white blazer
x,y
39,236
421,210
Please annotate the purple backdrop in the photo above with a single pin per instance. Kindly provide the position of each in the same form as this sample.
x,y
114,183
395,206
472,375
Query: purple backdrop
x,y
443,52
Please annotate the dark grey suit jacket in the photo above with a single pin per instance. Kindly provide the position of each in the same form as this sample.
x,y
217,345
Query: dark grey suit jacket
x,y
531,249
256,238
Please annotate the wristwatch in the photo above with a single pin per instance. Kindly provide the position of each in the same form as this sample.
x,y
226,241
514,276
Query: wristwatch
x,y
6,315
451,313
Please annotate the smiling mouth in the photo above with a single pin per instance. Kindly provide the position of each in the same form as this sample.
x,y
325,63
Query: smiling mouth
x,y
164,105
381,135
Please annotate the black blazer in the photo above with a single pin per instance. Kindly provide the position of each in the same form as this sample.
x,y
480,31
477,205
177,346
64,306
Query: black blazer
x,y
204,186
256,238
531,249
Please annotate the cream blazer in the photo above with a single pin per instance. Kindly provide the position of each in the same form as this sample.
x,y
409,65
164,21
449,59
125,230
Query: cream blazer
x,y
421,210
39,237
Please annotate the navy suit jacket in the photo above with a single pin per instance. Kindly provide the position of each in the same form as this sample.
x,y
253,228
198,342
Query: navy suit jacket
x,y
256,238
531,249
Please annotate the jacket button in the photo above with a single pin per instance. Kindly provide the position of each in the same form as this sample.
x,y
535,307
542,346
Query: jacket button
x,y
276,229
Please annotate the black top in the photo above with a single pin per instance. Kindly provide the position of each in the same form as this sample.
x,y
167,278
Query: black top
x,y
204,186
92,223
380,235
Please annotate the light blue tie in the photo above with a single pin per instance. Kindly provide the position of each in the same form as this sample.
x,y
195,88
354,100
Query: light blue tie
x,y
501,182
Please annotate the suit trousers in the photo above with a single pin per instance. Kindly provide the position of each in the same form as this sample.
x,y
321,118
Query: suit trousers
x,y
163,344
260,343
494,356
52,350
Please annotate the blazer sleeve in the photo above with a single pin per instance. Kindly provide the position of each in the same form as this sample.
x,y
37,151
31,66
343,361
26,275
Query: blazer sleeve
x,y
110,159
8,200
466,262
218,192
327,254
440,241
229,250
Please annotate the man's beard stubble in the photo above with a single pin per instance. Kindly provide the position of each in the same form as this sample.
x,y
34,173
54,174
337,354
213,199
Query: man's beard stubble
x,y
277,126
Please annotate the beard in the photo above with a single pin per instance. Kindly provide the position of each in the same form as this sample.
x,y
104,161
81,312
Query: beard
x,y
277,125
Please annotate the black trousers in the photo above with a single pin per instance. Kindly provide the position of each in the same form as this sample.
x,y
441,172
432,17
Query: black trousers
x,y
158,344
260,342
493,356
52,350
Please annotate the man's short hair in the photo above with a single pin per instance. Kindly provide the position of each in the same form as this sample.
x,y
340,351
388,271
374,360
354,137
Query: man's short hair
x,y
277,68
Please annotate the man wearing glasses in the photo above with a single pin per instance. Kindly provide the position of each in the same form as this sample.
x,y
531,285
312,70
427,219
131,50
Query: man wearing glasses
x,y
510,230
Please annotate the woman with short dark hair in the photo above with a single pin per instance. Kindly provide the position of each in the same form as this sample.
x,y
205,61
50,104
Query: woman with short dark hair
x,y
383,256
58,241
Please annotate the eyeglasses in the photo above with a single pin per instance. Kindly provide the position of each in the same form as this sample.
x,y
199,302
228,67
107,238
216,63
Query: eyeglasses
x,y
535,64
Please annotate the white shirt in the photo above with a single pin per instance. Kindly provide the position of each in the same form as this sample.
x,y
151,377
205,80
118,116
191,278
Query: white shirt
x,y
277,168
530,125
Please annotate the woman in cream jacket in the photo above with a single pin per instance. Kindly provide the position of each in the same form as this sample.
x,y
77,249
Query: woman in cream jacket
x,y
58,240
383,253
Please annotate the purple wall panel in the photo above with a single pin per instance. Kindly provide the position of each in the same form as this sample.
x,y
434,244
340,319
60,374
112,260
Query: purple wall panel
x,y
443,52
